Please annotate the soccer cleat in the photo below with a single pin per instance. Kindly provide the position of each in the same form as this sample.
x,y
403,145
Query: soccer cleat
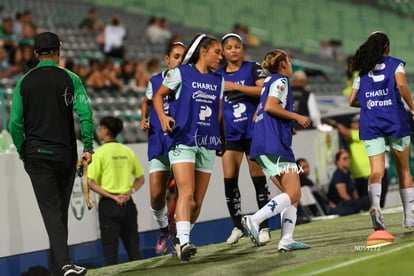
x,y
161,247
251,228
72,269
264,235
235,236
290,245
377,220
187,250
175,244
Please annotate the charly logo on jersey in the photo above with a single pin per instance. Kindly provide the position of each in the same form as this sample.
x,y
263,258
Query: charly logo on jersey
x,y
77,201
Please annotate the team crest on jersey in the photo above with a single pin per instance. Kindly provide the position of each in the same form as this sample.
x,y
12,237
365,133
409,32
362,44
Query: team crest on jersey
x,y
282,85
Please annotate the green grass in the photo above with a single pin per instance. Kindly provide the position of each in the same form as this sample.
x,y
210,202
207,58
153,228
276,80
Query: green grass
x,y
333,243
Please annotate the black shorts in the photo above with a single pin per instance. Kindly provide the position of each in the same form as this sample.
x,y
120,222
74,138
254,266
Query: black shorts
x,y
240,145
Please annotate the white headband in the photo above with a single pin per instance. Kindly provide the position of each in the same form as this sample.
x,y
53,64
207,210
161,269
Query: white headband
x,y
231,35
192,49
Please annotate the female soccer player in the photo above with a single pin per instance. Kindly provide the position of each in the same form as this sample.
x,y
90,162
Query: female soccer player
x,y
272,149
195,129
244,80
159,164
377,90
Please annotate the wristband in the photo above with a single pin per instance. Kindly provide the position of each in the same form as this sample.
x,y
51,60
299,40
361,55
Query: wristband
x,y
89,150
133,190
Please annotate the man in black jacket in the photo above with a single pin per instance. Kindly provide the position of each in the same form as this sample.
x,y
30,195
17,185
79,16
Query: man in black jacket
x,y
42,127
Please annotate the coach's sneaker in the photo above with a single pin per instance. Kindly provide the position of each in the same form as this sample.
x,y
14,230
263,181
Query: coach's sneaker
x,y
289,245
175,244
161,247
408,225
264,235
252,229
235,236
187,250
72,269
377,220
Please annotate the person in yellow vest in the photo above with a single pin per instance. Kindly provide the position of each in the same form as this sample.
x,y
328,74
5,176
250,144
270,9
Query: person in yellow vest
x,y
360,167
109,175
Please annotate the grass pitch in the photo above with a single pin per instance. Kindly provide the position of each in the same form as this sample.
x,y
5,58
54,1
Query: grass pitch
x,y
337,248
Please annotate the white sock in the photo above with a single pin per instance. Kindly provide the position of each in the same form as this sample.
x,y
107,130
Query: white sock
x,y
374,193
288,218
160,216
407,198
183,231
272,208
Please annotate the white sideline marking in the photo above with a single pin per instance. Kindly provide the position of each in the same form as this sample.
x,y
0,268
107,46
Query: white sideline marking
x,y
358,260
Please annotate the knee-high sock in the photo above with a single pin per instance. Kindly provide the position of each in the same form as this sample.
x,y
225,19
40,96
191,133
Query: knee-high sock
x,y
273,207
262,195
288,220
161,217
407,198
232,193
374,193
183,231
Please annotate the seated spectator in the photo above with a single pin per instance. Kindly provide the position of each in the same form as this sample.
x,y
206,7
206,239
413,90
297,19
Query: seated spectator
x,y
29,59
4,60
244,32
28,19
18,24
165,27
114,38
95,78
17,67
7,35
304,100
325,50
100,35
83,72
304,169
27,35
142,76
70,65
112,72
157,31
342,195
127,71
153,66
337,51
88,24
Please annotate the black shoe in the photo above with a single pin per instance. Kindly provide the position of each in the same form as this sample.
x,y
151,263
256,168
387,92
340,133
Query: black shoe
x,y
187,250
72,269
175,244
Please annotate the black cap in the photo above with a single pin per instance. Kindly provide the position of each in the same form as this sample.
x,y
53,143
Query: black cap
x,y
46,42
